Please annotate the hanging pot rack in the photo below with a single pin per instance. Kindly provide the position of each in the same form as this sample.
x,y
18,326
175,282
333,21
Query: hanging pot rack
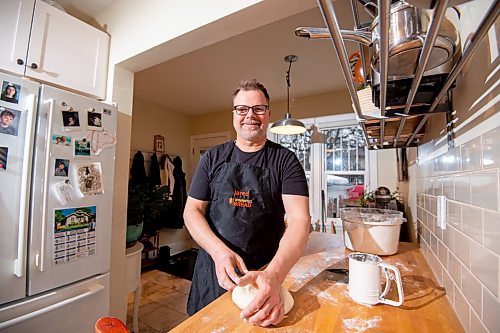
x,y
403,129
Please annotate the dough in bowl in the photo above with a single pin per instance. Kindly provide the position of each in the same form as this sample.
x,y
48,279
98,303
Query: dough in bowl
x,y
242,296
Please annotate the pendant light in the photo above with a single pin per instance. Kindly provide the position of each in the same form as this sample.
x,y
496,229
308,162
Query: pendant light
x,y
288,125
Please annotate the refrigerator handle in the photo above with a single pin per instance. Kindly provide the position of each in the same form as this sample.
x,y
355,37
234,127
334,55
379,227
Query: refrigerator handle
x,y
39,258
19,264
91,291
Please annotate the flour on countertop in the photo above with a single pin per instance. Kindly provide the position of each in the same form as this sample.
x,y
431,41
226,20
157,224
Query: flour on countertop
x,y
206,319
361,325
218,330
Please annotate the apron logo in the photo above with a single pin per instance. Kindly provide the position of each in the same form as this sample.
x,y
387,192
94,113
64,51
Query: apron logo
x,y
240,199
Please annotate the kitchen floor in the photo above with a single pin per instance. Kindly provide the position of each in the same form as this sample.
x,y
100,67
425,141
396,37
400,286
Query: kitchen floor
x,y
163,302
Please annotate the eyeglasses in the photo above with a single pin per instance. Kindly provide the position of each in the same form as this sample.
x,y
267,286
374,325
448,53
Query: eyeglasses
x,y
242,110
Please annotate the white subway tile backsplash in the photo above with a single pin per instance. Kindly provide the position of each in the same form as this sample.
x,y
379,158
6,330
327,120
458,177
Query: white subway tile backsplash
x,y
471,155
448,188
471,288
484,189
492,231
462,248
476,325
472,222
491,152
433,208
437,187
443,254
449,238
491,311
433,244
454,214
485,265
448,286
462,309
462,188
455,269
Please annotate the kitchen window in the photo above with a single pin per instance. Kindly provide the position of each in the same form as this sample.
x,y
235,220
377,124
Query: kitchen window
x,y
336,162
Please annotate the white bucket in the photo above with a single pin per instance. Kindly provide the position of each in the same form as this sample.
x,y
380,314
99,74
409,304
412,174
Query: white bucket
x,y
371,230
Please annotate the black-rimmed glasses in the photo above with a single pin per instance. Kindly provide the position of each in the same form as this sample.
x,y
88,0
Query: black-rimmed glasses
x,y
242,110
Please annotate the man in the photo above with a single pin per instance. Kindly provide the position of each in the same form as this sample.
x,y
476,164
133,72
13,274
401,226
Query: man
x,y
6,119
235,211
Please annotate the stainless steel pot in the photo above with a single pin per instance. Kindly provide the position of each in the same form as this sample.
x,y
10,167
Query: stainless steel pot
x,y
408,27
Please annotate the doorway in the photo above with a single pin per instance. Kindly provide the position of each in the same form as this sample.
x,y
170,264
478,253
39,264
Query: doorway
x,y
202,142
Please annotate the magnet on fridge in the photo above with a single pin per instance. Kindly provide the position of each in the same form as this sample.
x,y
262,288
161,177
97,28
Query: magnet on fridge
x,y
9,121
90,179
94,120
61,167
11,92
71,120
61,140
82,147
4,153
64,191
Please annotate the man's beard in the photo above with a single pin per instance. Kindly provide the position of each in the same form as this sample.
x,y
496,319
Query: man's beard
x,y
251,135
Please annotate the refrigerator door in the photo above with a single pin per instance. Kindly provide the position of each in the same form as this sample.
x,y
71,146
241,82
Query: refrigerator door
x,y
74,309
18,115
72,190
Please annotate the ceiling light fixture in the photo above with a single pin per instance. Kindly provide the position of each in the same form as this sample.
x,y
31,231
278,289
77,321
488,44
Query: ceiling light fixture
x,y
288,125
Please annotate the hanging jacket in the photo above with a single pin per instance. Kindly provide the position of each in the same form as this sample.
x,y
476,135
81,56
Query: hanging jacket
x,y
167,176
154,171
179,197
137,171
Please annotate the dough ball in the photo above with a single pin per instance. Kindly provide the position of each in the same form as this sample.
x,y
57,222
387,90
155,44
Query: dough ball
x,y
242,296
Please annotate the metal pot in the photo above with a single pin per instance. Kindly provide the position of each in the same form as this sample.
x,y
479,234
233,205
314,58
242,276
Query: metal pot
x,y
408,27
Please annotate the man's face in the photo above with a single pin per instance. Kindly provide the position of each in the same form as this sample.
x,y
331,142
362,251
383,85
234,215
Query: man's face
x,y
7,120
251,127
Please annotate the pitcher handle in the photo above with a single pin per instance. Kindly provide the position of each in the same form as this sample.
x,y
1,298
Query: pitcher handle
x,y
397,278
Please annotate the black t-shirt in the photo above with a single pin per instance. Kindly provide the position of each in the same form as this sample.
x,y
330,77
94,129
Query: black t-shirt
x,y
287,175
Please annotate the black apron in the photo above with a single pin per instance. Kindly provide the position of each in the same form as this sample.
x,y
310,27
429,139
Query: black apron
x,y
244,215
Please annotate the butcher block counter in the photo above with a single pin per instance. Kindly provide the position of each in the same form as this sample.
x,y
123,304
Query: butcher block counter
x,y
322,302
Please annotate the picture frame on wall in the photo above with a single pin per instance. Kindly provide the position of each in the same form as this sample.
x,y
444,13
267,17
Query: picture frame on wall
x,y
159,144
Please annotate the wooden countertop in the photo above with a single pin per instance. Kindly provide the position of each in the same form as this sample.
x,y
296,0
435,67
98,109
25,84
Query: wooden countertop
x,y
322,302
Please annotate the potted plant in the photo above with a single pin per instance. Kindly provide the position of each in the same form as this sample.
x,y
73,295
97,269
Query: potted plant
x,y
146,204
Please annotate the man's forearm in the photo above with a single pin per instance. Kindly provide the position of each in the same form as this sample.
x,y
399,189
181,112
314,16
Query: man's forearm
x,y
290,249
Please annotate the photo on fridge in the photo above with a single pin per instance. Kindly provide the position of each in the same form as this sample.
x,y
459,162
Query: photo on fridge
x,y
4,153
82,147
71,120
90,179
11,92
61,140
61,168
9,121
94,121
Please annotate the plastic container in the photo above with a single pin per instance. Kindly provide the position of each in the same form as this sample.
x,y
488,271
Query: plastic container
x,y
371,230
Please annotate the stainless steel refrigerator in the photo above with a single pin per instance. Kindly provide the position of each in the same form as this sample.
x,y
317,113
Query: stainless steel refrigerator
x,y
57,155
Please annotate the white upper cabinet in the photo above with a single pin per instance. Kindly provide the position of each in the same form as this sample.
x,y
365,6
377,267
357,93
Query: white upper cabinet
x,y
15,24
62,50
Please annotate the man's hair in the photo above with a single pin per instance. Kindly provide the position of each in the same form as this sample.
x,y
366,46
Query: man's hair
x,y
253,84
7,113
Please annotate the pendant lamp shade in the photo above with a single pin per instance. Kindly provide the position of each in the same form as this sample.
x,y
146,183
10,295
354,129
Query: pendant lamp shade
x,y
288,125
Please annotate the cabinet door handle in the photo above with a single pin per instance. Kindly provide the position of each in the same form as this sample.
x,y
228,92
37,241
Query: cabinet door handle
x,y
20,62
34,66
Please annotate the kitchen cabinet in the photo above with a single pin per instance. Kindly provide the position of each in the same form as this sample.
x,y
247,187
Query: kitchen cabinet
x,y
44,43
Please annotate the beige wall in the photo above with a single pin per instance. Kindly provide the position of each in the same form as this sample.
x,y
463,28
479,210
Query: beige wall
x,y
149,119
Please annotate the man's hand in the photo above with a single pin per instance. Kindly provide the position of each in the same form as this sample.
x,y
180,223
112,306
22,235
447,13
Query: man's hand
x,y
267,308
226,262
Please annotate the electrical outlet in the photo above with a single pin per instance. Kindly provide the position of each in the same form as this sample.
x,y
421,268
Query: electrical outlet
x,y
441,211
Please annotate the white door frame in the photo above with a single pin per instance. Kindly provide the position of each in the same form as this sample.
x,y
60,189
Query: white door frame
x,y
205,141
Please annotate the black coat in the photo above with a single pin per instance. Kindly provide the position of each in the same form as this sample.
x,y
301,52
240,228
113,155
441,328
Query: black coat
x,y
175,219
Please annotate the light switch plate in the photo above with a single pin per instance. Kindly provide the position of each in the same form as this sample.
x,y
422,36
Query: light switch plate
x,y
441,211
